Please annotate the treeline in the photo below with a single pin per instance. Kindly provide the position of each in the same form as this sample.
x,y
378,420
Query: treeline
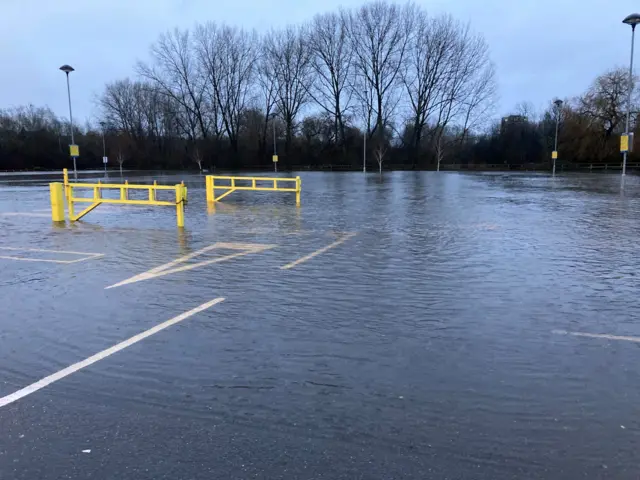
x,y
419,91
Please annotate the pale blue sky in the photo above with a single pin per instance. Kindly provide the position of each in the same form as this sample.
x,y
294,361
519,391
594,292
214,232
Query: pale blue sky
x,y
541,48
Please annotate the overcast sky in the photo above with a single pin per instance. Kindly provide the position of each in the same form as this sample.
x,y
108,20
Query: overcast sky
x,y
541,48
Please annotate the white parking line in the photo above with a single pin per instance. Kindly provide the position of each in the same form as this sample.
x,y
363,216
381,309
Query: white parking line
x,y
598,335
34,387
343,239
85,255
24,214
169,268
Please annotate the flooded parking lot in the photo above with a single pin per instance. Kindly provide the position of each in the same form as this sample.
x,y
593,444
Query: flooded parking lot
x,y
414,325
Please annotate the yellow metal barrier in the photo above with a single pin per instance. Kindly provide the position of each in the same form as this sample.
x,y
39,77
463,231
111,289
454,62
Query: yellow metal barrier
x,y
123,188
259,184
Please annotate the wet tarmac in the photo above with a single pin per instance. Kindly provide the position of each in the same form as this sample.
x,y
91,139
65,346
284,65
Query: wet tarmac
x,y
410,326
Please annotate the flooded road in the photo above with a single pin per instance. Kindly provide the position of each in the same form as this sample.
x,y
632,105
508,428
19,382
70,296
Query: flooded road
x,y
410,326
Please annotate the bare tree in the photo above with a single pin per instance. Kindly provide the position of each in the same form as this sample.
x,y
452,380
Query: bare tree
x,y
174,70
197,158
331,63
379,33
266,93
467,85
288,58
228,57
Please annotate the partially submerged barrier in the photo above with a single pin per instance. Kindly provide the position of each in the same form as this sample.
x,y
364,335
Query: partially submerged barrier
x,y
258,184
60,191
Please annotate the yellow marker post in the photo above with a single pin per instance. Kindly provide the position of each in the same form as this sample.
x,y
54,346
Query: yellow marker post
x,y
57,201
624,143
179,206
298,190
65,176
184,192
209,187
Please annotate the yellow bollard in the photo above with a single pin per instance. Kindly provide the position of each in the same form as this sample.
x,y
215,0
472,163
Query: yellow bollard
x,y
179,206
57,201
126,190
209,188
298,191
152,191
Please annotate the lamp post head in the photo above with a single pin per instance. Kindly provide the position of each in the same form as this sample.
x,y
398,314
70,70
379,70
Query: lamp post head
x,y
633,20
558,103
67,69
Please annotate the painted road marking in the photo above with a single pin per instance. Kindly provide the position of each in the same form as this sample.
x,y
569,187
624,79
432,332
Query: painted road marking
x,y
24,214
168,268
34,387
341,240
598,335
85,255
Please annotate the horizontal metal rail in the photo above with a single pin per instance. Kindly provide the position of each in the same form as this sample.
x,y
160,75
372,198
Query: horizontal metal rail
x,y
125,185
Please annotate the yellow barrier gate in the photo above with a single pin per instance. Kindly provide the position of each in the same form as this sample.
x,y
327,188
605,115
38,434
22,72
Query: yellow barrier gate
x,y
57,195
259,184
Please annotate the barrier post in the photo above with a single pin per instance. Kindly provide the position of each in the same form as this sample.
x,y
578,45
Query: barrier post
x,y
184,192
65,176
57,201
179,206
209,188
126,190
70,203
298,189
152,191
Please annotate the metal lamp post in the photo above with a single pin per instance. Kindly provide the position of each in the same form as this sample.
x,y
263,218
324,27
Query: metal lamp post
x,y
68,69
633,20
104,148
558,104
275,150
364,147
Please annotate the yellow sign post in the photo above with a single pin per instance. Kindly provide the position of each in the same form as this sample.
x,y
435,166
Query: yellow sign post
x,y
275,159
624,143
74,150
554,155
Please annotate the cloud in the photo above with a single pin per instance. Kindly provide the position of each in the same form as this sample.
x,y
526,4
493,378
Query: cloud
x,y
541,49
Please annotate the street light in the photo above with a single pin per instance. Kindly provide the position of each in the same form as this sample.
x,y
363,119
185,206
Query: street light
x,y
68,69
275,150
633,20
364,148
558,104
104,148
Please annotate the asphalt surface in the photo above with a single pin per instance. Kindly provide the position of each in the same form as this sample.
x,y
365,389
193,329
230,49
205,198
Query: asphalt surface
x,y
435,327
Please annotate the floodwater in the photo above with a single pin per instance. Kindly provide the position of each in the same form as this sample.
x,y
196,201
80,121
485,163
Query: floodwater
x,y
428,325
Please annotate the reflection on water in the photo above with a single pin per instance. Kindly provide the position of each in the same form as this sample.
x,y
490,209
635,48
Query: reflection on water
x,y
429,333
